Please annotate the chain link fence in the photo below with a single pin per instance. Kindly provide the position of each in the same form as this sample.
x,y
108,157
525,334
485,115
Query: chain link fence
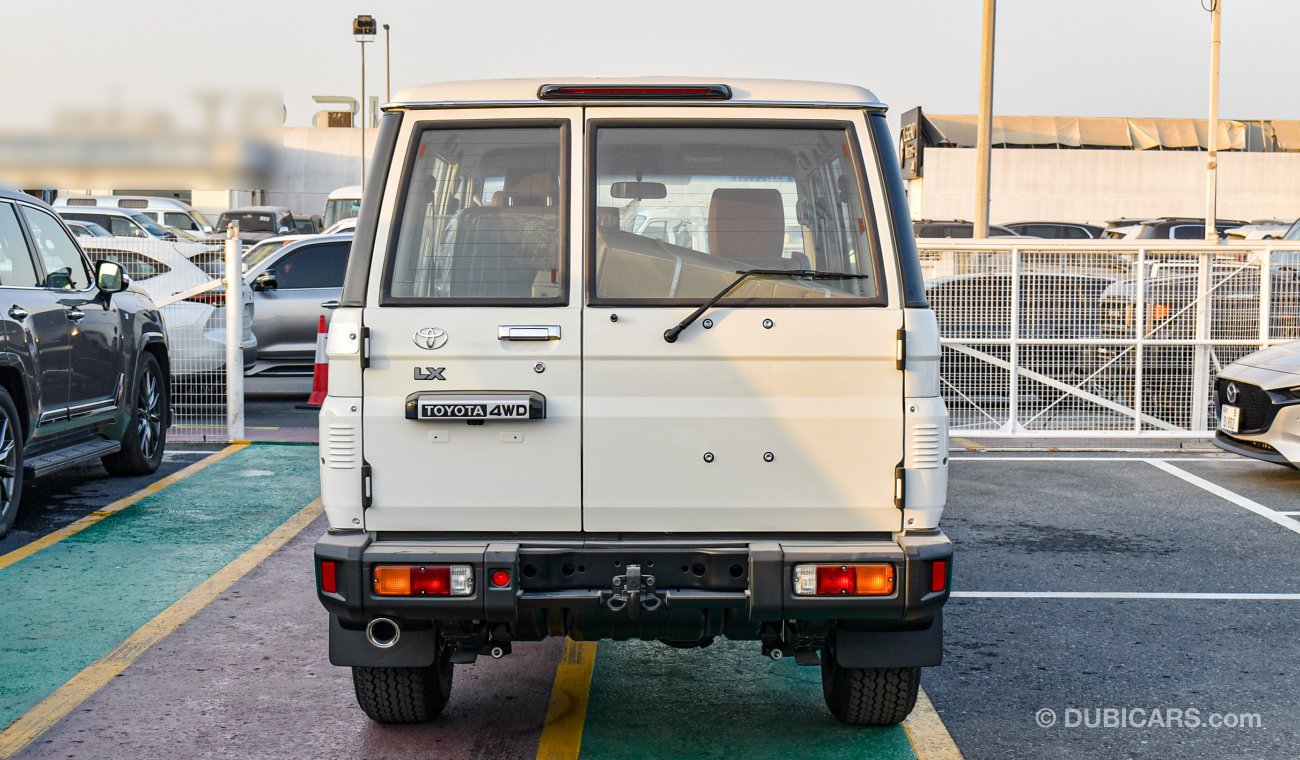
x,y
1101,339
187,280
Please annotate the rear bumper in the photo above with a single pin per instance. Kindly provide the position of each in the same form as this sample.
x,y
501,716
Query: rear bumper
x,y
559,587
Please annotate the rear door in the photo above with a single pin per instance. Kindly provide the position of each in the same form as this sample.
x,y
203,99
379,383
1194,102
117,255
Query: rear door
x,y
287,316
780,410
472,418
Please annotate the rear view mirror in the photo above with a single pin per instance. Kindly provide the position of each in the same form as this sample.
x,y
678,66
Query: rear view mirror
x,y
109,276
265,281
640,191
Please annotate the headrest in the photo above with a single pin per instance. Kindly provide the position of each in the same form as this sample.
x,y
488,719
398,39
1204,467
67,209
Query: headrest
x,y
746,224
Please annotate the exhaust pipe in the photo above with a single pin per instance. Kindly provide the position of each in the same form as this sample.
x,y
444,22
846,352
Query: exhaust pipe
x,y
383,633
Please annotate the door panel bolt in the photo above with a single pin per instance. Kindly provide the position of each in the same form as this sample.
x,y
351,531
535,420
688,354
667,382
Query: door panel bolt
x,y
708,456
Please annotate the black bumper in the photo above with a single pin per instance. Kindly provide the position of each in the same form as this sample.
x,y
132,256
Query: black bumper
x,y
1261,451
704,589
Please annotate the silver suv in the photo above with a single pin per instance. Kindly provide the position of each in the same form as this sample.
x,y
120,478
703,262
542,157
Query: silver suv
x,y
541,422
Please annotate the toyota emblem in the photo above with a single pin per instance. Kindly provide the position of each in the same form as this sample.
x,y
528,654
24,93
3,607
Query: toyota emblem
x,y
1232,393
431,338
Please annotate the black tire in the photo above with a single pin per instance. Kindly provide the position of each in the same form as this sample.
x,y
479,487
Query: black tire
x,y
11,461
146,434
868,696
404,695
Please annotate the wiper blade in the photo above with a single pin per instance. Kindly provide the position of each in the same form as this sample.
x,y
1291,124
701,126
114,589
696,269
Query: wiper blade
x,y
670,335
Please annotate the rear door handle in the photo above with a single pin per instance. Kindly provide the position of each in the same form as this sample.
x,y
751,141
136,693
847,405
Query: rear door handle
x,y
528,332
17,312
75,314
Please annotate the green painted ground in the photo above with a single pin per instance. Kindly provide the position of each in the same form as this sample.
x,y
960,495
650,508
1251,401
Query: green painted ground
x,y
66,606
651,701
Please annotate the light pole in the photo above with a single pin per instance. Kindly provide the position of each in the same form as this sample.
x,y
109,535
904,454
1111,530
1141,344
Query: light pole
x,y
363,29
388,65
1212,142
984,129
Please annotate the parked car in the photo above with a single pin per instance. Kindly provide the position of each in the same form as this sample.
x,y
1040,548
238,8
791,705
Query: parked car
x,y
1261,229
957,228
119,222
86,229
1166,228
343,203
1056,230
195,326
289,285
307,224
257,223
84,375
167,212
632,439
1169,294
342,225
1257,403
258,251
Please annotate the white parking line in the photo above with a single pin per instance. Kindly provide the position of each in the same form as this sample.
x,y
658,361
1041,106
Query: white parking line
x,y
1121,595
1289,513
1223,493
1068,458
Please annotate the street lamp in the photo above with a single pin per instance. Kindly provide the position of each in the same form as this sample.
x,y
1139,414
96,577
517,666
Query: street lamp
x,y
388,66
363,29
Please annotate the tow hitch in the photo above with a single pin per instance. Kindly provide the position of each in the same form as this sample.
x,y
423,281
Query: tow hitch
x,y
634,592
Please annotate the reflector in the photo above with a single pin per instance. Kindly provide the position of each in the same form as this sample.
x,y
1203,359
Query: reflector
x,y
938,575
328,577
634,92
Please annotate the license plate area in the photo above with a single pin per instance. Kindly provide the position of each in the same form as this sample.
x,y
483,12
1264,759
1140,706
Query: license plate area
x,y
482,406
1230,418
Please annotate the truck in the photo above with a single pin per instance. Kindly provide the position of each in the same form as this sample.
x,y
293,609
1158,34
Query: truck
x,y
541,423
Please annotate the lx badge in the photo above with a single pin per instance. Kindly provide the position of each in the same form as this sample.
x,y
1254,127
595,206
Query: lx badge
x,y
429,373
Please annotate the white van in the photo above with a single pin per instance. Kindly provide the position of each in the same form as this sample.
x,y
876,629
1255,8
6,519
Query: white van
x,y
542,423
343,203
168,212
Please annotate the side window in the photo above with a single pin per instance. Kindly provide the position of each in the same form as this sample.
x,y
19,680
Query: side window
x,y
65,268
1077,233
179,220
16,269
1188,232
317,266
124,227
657,230
137,266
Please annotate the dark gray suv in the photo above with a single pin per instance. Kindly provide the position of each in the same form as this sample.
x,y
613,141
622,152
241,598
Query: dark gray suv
x,y
83,360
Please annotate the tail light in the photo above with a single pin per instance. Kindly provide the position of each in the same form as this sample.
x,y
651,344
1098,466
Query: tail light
x,y
211,297
423,580
844,580
938,575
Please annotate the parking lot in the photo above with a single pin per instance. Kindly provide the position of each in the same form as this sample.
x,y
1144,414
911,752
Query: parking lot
x,y
1144,583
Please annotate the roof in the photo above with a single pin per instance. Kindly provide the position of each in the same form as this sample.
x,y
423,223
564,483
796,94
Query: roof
x,y
18,195
255,210
351,191
748,91
103,210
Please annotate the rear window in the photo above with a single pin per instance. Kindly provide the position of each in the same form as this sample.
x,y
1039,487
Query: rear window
x,y
248,222
137,266
481,221
718,201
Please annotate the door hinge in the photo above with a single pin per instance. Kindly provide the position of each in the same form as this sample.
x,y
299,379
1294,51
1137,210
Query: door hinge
x,y
365,348
900,348
367,486
900,486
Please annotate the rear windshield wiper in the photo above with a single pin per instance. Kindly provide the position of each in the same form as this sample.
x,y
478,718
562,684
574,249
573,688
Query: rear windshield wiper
x,y
671,333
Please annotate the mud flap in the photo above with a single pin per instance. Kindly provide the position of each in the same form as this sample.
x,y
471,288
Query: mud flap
x,y
890,649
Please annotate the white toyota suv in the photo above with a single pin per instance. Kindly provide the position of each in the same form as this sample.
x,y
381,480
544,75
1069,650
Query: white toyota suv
x,y
540,423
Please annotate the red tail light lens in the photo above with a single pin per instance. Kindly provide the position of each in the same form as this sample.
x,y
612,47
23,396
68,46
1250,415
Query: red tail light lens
x,y
211,298
634,92
329,582
938,575
423,580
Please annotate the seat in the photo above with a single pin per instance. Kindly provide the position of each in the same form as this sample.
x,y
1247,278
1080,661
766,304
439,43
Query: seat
x,y
748,225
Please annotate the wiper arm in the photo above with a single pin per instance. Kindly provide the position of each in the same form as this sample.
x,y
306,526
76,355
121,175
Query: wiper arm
x,y
670,335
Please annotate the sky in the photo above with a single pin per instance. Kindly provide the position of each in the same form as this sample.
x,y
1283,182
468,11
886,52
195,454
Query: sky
x,y
1146,58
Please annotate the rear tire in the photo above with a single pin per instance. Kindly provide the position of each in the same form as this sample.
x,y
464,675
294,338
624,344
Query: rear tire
x,y
868,696
146,435
404,695
11,461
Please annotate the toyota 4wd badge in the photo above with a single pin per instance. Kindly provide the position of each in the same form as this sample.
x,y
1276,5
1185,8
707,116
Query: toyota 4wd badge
x,y
431,338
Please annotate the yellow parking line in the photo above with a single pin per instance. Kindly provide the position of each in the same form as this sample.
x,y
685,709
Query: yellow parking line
x,y
927,733
968,444
74,528
562,735
82,686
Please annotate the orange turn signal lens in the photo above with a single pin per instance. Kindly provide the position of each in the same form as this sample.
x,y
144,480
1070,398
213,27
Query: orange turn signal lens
x,y
393,580
1159,311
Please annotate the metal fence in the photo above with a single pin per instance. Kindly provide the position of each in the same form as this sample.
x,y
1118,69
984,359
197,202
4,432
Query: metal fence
x,y
188,282
1101,338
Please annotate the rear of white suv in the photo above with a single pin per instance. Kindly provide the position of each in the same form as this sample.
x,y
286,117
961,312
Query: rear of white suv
x,y
542,423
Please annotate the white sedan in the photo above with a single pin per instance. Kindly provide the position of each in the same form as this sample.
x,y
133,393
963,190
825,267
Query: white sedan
x,y
1258,401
